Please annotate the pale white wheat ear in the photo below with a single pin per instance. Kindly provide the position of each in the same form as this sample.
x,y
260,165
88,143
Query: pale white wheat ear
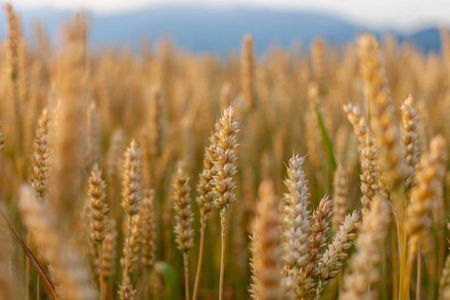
x,y
296,224
297,219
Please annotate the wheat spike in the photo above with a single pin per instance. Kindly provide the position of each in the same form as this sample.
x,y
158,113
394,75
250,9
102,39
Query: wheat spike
x,y
41,155
360,282
98,207
148,229
205,183
297,223
332,260
370,175
318,236
247,71
339,196
131,180
93,133
410,138
115,152
384,126
429,176
183,212
126,291
267,252
225,163
109,251
2,139
132,246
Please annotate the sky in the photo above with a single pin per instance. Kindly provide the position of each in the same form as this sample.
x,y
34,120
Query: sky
x,y
401,14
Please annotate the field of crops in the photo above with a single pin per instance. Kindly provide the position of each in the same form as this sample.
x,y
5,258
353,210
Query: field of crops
x,y
315,173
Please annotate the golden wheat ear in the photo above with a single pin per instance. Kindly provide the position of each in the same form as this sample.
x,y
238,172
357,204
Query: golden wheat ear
x,y
340,195
131,203
266,259
183,220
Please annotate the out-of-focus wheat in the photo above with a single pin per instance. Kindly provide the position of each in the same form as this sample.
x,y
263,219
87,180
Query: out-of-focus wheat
x,y
359,284
266,254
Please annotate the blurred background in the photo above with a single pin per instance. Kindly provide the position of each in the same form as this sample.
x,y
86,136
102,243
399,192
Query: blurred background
x,y
218,26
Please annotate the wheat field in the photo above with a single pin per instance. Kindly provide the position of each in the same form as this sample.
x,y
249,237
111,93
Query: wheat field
x,y
316,173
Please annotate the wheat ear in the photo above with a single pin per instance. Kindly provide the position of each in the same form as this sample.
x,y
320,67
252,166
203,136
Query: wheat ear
x,y
131,201
364,272
183,221
266,254
332,260
148,229
98,215
410,139
205,201
298,222
41,155
429,176
370,175
340,195
225,167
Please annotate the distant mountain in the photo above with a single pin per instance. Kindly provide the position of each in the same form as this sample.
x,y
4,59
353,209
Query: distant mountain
x,y
218,30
